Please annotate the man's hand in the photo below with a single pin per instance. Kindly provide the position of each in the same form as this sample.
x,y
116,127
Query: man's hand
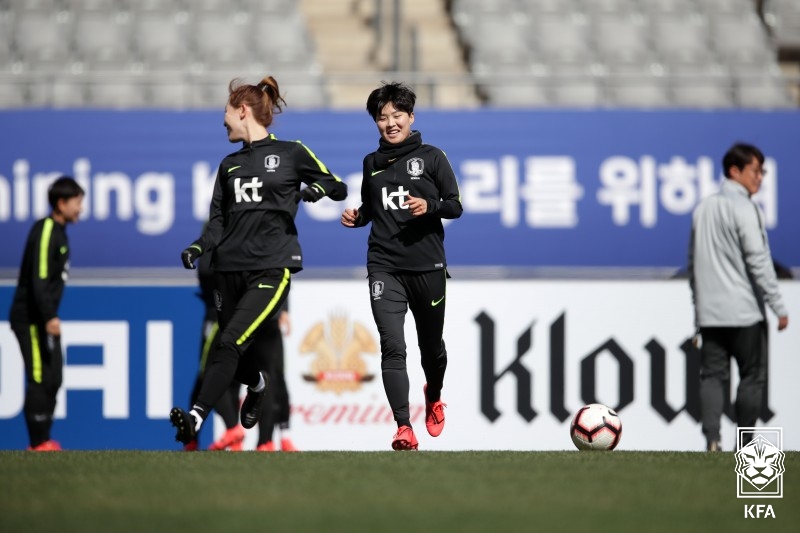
x,y
783,321
189,256
312,193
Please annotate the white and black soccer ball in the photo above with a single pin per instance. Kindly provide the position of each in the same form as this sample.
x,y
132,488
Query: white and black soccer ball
x,y
595,427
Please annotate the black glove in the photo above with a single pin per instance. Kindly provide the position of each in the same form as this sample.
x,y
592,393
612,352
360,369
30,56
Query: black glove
x,y
312,193
189,255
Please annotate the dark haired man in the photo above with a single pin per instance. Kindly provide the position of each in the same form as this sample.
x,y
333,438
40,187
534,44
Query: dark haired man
x,y
34,311
732,278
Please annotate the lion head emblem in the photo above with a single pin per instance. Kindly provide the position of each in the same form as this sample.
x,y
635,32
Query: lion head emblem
x,y
760,462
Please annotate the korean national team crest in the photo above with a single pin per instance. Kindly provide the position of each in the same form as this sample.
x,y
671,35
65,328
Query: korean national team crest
x,y
272,162
415,167
376,290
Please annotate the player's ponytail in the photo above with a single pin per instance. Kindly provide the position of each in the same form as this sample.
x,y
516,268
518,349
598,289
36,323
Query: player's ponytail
x,y
270,87
264,99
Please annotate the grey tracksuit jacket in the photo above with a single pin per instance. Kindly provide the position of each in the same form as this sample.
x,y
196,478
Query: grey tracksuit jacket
x,y
730,265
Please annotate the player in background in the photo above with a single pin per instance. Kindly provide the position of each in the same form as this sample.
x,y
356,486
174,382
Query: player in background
x,y
228,406
408,188
34,310
732,277
253,239
276,410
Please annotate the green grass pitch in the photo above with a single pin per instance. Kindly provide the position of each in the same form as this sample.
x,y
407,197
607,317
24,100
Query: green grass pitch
x,y
120,491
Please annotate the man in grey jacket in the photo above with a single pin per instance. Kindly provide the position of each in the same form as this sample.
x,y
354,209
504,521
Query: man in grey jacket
x,y
733,280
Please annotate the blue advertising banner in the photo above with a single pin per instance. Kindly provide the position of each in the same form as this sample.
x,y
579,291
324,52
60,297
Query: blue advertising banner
x,y
131,353
539,188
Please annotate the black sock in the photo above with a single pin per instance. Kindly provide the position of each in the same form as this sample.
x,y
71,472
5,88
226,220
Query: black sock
x,y
404,422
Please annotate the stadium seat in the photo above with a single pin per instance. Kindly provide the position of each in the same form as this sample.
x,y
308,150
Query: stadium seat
x,y
210,89
710,92
66,93
493,36
657,8
158,6
42,38
740,37
763,92
215,6
726,7
561,38
519,94
513,61
467,12
220,37
637,85
303,92
621,38
784,18
12,94
107,6
103,39
161,38
44,6
283,42
117,93
275,7
538,7
623,8
577,91
173,92
681,36
6,28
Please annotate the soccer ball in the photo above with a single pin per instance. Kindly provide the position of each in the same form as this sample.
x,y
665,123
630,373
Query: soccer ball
x,y
595,427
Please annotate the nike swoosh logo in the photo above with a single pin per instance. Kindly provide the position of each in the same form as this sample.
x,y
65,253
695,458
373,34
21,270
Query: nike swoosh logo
x,y
265,286
377,171
234,168
434,303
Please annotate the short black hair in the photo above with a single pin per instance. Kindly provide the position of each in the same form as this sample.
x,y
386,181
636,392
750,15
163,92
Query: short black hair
x,y
398,94
740,155
63,188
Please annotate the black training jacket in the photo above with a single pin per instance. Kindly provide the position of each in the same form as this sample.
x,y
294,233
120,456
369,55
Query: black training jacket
x,y
44,270
399,241
251,223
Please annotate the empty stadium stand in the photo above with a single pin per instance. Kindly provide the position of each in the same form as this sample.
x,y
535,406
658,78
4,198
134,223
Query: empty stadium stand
x,y
181,54
647,53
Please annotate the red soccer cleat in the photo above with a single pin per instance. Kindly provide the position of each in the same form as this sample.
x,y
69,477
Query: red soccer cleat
x,y
404,439
266,447
231,437
434,415
190,446
288,446
46,446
